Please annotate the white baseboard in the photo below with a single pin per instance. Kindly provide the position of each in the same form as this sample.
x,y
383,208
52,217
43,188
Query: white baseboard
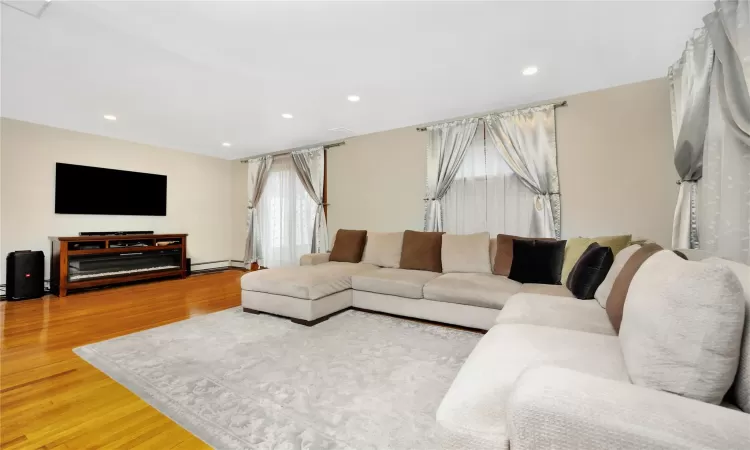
x,y
237,264
211,265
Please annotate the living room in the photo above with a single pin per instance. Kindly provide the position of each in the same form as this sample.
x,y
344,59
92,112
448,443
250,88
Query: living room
x,y
276,225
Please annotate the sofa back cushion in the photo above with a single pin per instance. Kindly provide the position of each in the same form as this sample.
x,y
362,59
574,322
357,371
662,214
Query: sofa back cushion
x,y
740,392
348,246
682,326
383,249
537,261
604,289
467,253
589,271
618,294
576,247
421,251
502,258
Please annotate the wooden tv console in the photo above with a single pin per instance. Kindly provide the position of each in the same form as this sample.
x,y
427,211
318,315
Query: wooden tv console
x,y
87,261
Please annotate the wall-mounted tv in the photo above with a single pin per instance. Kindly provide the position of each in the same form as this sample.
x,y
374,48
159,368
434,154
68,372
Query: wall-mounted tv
x,y
94,190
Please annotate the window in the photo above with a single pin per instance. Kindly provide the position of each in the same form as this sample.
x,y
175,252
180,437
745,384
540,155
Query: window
x,y
486,195
286,214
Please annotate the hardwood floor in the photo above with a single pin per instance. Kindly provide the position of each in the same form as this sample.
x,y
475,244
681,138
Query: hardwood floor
x,y
51,399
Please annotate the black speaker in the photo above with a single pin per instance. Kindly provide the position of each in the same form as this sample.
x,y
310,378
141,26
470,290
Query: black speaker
x,y
24,275
188,270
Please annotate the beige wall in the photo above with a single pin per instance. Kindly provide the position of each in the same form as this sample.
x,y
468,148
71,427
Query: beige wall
x,y
615,162
377,181
199,191
614,159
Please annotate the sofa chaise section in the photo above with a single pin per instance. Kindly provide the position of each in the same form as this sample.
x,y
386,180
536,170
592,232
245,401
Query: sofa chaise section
x,y
473,412
306,294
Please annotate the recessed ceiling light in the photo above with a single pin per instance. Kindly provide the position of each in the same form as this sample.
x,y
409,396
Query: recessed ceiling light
x,y
226,144
287,116
110,117
353,98
531,70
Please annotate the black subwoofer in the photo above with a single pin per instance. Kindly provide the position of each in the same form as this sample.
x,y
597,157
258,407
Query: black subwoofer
x,y
24,275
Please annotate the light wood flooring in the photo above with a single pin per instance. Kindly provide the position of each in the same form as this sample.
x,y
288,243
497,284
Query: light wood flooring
x,y
52,399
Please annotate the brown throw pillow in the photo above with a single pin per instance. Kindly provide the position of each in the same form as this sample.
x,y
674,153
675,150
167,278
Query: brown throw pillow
x,y
619,292
421,251
504,255
349,246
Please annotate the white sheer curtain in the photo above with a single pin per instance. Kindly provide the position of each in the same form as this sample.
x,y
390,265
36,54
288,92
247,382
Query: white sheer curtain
x,y
257,174
446,147
527,141
724,200
310,166
689,83
286,214
486,195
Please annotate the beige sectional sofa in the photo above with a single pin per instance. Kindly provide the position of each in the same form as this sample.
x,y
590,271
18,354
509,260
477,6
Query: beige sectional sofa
x,y
318,288
553,373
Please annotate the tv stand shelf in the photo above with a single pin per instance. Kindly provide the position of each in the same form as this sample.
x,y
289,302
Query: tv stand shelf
x,y
100,251
87,261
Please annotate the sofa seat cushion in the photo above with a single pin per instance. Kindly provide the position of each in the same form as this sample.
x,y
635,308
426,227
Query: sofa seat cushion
x,y
472,413
558,290
476,289
558,312
398,282
304,282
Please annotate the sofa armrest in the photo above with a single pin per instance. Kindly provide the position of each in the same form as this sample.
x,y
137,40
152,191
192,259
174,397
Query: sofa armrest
x,y
563,409
312,259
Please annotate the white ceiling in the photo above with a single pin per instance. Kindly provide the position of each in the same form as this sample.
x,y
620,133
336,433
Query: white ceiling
x,y
191,75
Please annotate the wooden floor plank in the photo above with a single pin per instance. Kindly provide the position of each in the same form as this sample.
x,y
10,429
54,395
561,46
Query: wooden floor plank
x,y
52,399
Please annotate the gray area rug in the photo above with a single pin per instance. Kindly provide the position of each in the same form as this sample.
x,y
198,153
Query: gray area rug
x,y
239,380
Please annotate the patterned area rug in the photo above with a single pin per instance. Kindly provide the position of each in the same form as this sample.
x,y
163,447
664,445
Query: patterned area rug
x,y
238,380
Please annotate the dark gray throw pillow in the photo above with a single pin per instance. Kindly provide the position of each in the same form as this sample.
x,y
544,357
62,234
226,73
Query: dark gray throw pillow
x,y
537,261
589,271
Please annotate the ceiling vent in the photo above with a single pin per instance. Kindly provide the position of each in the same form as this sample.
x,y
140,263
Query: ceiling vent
x,y
34,8
341,130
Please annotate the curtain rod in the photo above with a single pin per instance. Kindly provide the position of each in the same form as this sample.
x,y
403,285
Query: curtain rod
x,y
556,105
286,152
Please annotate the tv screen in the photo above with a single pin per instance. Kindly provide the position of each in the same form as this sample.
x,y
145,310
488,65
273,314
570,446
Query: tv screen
x,y
93,190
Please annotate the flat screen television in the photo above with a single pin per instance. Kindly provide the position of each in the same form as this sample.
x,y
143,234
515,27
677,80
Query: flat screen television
x,y
94,190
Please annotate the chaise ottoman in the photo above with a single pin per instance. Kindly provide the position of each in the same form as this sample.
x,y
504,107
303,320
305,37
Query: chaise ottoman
x,y
306,294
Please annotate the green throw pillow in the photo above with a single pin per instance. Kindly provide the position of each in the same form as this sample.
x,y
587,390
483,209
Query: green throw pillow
x,y
576,246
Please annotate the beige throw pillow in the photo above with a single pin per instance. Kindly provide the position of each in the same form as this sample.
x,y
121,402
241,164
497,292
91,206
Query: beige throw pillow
x,y
383,249
682,327
602,292
468,253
